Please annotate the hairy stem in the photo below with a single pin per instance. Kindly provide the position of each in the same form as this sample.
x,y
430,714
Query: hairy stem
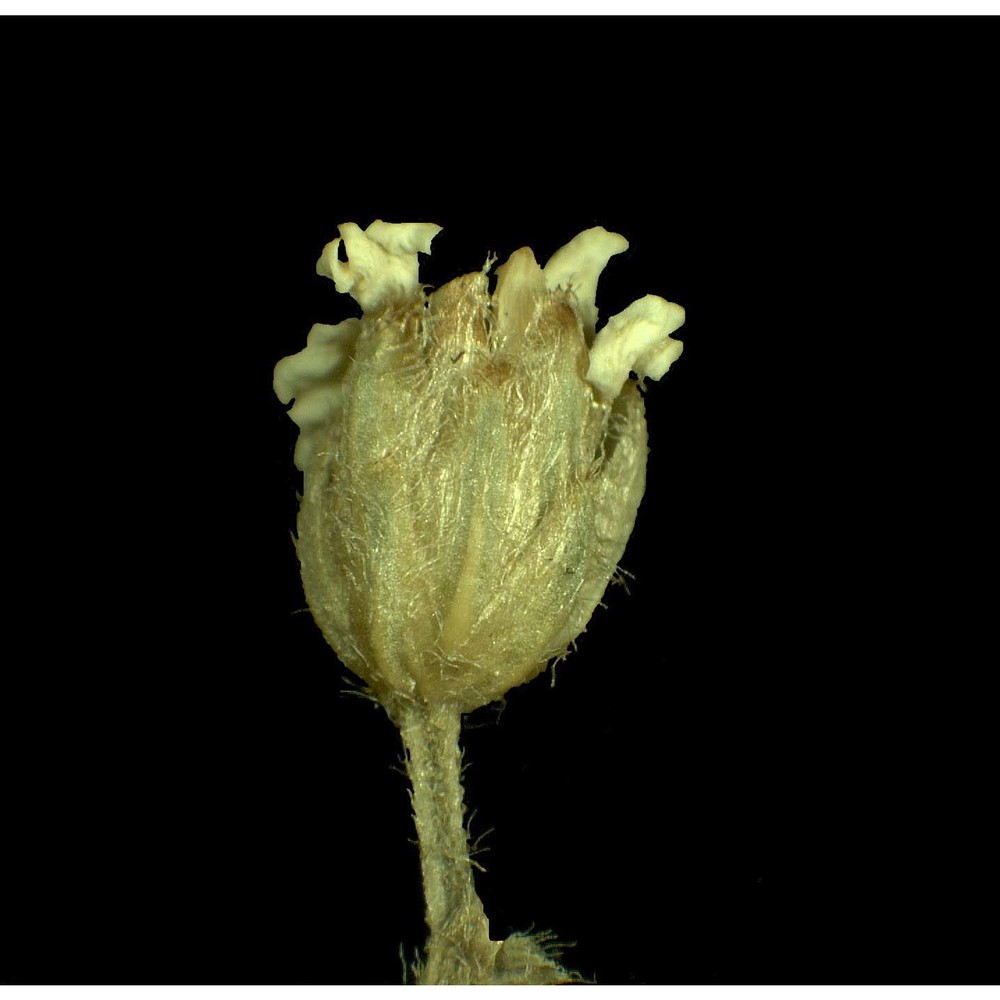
x,y
459,949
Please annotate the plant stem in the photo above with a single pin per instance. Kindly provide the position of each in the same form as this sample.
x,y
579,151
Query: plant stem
x,y
459,949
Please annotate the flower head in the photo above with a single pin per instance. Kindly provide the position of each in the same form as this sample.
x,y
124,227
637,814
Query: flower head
x,y
473,461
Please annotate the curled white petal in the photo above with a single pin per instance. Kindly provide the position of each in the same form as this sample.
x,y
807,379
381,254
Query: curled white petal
x,y
578,265
381,260
313,379
636,339
403,237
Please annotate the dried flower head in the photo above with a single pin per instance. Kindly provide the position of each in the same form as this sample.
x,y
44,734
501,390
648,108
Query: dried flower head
x,y
473,462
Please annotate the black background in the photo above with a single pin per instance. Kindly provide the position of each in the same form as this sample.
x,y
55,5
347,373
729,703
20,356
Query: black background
x,y
763,765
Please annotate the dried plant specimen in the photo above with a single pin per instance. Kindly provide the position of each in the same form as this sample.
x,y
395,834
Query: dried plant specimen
x,y
473,464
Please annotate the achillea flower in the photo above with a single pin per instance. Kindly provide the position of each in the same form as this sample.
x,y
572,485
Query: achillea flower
x,y
473,462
